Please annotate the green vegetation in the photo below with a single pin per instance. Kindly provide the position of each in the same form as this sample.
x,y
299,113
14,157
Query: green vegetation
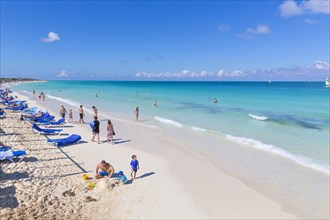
x,y
6,80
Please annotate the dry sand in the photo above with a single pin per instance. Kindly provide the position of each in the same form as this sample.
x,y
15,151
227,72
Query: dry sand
x,y
172,181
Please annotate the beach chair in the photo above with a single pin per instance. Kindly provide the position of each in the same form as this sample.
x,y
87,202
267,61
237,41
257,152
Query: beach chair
x,y
31,111
2,114
45,120
73,139
4,148
39,130
60,122
11,154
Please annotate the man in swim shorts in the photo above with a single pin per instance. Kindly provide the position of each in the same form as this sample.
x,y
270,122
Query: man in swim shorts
x,y
106,170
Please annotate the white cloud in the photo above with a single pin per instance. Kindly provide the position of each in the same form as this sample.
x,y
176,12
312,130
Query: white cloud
x,y
311,21
291,8
223,28
317,71
235,73
321,65
261,29
51,37
63,73
183,74
317,6
252,32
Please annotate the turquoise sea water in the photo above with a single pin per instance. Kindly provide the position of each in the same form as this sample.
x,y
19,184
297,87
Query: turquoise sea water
x,y
286,118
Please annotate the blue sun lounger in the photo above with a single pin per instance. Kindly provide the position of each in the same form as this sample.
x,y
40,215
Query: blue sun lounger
x,y
39,130
11,154
60,122
2,114
45,120
73,139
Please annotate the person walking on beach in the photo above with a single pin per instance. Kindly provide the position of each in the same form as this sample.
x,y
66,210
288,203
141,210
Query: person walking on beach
x,y
81,114
70,116
96,130
134,166
95,110
62,112
106,170
110,132
136,113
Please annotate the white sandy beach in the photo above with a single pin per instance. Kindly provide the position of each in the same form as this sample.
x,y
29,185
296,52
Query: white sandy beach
x,y
172,182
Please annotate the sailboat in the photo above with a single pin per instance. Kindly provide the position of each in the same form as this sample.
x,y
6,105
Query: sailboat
x,y
327,82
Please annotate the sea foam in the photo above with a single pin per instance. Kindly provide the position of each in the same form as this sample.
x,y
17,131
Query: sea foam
x,y
168,121
299,159
257,117
198,128
67,101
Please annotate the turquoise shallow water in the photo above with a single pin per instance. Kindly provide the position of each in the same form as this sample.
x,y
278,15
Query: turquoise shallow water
x,y
288,118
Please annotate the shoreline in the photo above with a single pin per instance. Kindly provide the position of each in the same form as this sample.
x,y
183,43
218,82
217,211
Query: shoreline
x,y
279,178
195,186
194,191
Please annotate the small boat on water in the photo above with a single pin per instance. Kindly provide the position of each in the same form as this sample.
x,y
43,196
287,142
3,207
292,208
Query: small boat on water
x,y
327,82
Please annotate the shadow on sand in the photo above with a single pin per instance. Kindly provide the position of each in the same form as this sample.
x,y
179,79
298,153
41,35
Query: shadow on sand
x,y
7,198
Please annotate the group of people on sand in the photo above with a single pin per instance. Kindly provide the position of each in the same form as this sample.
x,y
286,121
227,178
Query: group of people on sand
x,y
96,131
95,125
105,169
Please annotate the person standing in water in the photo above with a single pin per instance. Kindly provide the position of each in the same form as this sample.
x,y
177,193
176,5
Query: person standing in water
x,y
155,103
137,111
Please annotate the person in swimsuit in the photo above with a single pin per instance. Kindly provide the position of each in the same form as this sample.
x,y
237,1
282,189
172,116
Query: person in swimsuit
x,y
134,166
96,130
110,132
81,114
70,116
62,111
137,113
95,110
106,170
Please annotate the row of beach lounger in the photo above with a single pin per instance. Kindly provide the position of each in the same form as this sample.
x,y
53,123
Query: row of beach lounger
x,y
37,118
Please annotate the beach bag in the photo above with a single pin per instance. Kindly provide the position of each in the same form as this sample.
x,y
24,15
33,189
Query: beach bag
x,y
92,124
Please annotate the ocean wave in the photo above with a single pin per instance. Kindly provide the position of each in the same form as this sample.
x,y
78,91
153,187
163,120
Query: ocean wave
x,y
67,101
198,129
258,117
24,91
168,121
299,159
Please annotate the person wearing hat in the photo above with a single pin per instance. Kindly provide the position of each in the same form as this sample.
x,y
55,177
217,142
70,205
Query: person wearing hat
x,y
122,178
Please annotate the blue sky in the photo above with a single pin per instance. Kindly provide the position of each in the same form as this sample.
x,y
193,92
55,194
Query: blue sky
x,y
166,40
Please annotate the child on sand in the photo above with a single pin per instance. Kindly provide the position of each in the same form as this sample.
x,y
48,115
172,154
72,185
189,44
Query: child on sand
x,y
134,166
70,116
122,179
